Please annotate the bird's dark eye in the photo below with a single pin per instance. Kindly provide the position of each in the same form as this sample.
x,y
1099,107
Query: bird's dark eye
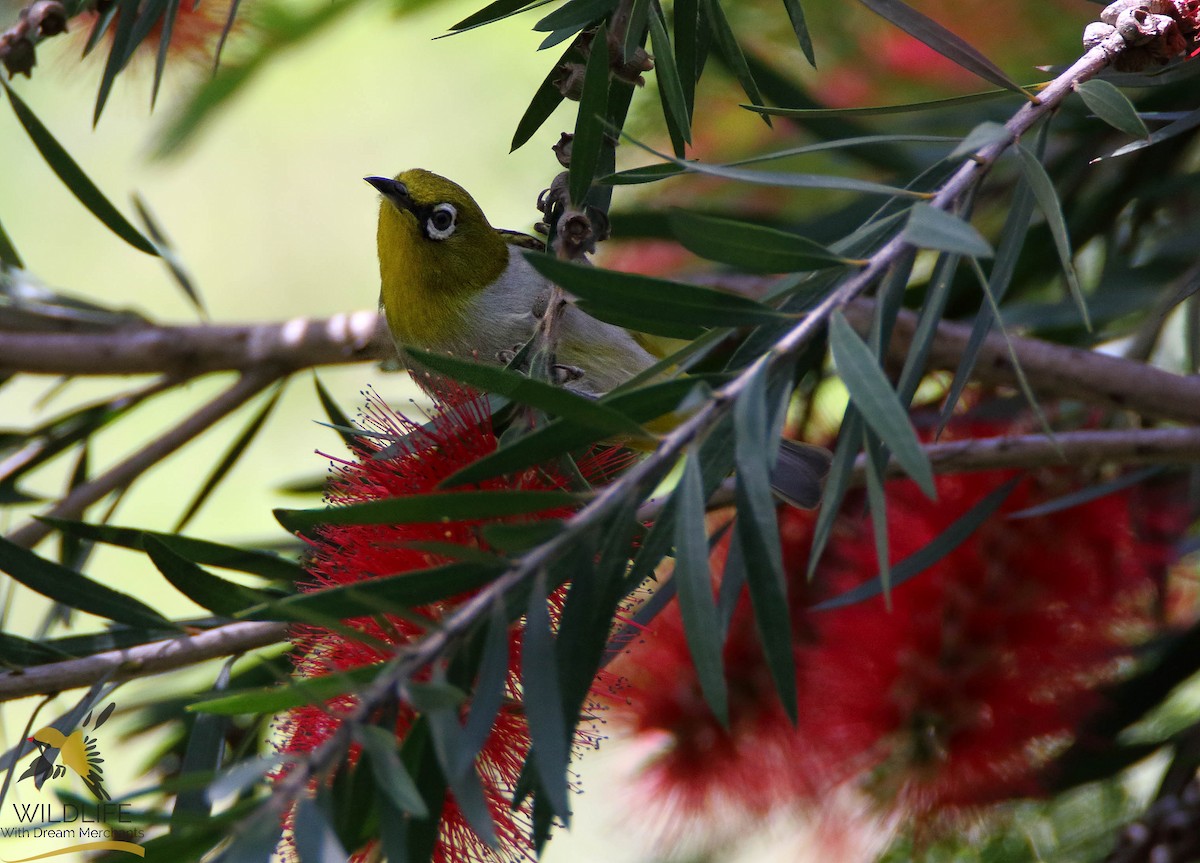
x,y
440,223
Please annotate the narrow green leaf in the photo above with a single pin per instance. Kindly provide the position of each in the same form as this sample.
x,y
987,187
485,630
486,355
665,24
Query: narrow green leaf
x,y
521,536
218,595
796,15
301,691
690,304
491,681
120,51
230,458
943,41
1087,494
919,561
986,134
930,228
758,534
230,18
241,776
75,590
264,563
669,82
544,396
694,583
731,52
461,775
635,28
545,100
164,45
685,19
494,11
8,252
404,590
254,840
166,251
314,837
1047,200
1173,129
543,703
203,755
390,775
878,110
749,246
877,503
877,401
73,178
17,652
589,121
1112,106
575,15
337,417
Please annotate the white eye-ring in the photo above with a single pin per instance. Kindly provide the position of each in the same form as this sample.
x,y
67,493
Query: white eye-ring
x,y
441,222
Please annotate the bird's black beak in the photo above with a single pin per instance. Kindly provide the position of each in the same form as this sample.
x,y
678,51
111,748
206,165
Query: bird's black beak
x,y
393,190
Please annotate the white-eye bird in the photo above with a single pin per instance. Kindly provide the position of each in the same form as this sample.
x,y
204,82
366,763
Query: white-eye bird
x,y
451,283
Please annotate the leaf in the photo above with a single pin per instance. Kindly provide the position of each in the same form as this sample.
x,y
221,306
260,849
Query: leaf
x,y
18,652
8,252
391,777
402,590
694,584
73,178
209,591
121,49
492,681
164,45
943,41
75,590
589,121
545,100
688,304
167,252
263,563
314,837
304,690
635,28
930,228
796,15
1112,106
879,110
669,82
921,560
1079,497
543,702
433,508
1184,124
494,11
575,15
462,778
337,417
877,503
727,45
878,403
539,394
758,534
748,246
204,753
241,776
230,458
1047,200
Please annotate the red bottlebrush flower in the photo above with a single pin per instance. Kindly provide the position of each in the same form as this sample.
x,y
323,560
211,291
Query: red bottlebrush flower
x,y
196,30
954,699
459,433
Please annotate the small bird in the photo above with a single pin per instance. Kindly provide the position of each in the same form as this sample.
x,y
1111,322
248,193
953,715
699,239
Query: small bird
x,y
451,283
78,753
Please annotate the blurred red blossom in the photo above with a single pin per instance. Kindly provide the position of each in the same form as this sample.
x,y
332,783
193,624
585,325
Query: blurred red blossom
x,y
955,698
459,431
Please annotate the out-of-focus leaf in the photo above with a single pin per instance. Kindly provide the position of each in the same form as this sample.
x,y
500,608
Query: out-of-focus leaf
x,y
575,15
986,134
254,840
204,753
545,100
758,534
1112,106
669,82
1047,199
311,690
543,702
877,504
750,247
230,458
17,652
919,561
167,252
940,39
727,44
930,228
264,563
877,110
121,49
75,590
589,122
241,776
164,45
234,7
796,15
314,836
492,681
391,777
409,589
8,252
694,583
281,29
209,591
73,178
1087,494
544,396
689,304
877,401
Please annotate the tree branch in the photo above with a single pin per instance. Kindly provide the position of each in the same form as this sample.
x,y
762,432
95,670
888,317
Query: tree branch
x,y
141,661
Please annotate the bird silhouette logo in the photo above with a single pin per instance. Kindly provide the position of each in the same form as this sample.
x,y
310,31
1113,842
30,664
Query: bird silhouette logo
x,y
79,753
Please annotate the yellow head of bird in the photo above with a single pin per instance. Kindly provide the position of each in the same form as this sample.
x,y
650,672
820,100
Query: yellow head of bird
x,y
436,251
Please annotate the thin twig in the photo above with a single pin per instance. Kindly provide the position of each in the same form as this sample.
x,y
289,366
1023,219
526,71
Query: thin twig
x,y
124,473
141,661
